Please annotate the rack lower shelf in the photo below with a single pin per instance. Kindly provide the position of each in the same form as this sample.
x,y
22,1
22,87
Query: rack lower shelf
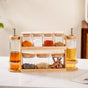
x,y
43,70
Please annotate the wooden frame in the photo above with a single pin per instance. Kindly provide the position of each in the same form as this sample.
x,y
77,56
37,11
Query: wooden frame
x,y
44,48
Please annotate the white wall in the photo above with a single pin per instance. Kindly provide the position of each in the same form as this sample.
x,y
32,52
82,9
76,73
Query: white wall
x,y
40,15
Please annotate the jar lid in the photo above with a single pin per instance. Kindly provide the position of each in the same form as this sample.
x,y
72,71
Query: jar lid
x,y
14,63
57,54
42,55
58,33
14,37
48,34
71,37
35,34
26,34
28,55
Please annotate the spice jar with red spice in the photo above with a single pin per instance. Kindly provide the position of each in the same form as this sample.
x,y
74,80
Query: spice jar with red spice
x,y
27,40
48,39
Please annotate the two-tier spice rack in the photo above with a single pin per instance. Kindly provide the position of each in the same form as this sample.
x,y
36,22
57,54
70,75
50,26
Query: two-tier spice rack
x,y
47,42
39,52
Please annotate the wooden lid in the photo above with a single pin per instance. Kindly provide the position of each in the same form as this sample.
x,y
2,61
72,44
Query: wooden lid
x,y
14,63
35,34
26,34
71,37
58,33
28,55
47,34
15,37
42,55
57,54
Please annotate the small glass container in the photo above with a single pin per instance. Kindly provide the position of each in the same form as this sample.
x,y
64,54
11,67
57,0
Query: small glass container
x,y
15,55
43,60
71,47
58,39
58,60
27,40
48,39
28,60
37,39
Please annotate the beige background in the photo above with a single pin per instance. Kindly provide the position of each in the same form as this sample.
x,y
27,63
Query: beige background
x,y
40,15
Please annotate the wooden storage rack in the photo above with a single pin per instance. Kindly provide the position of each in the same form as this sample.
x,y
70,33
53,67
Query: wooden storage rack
x,y
43,48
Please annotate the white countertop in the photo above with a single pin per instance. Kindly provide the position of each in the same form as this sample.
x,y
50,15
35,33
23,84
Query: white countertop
x,y
45,79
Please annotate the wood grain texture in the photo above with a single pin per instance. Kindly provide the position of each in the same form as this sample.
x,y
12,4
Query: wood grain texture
x,y
84,32
43,70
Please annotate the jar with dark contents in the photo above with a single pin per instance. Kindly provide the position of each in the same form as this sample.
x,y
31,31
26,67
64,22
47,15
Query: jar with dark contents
x,y
48,39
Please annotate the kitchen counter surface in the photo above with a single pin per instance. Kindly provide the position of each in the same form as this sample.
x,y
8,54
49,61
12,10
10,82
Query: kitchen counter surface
x,y
44,79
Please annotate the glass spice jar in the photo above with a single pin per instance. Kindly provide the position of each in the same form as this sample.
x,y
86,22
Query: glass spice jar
x,y
27,40
48,39
58,60
37,39
58,39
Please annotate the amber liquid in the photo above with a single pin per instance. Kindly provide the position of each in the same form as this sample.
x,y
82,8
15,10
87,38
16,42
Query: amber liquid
x,y
15,57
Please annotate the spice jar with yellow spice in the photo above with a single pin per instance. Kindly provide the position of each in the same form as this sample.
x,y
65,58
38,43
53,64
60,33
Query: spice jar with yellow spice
x,y
15,56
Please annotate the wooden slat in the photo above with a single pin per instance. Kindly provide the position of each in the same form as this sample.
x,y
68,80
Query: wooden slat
x,y
43,70
43,48
70,69
72,62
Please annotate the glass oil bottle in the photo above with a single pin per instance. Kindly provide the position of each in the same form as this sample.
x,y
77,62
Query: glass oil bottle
x,y
15,55
71,51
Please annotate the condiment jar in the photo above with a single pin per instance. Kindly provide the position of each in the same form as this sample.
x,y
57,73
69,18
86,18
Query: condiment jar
x,y
48,39
43,57
15,55
58,60
28,58
38,39
27,40
58,39
71,47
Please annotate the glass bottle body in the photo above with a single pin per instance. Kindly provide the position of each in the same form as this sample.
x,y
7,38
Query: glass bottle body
x,y
15,56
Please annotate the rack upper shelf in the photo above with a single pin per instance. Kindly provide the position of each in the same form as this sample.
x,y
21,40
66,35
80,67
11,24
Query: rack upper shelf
x,y
44,48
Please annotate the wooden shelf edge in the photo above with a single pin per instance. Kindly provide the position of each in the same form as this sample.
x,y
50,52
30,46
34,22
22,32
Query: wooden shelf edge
x,y
43,70
43,48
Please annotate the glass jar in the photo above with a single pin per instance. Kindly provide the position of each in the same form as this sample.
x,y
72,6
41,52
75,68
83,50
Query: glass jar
x,y
71,48
28,60
15,55
43,60
58,60
37,39
58,39
48,39
27,40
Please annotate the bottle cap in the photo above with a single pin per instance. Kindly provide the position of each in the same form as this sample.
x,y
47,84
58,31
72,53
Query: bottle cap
x,y
71,36
14,37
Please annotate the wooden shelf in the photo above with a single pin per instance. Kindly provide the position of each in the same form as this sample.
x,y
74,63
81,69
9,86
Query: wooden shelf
x,y
44,48
43,70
